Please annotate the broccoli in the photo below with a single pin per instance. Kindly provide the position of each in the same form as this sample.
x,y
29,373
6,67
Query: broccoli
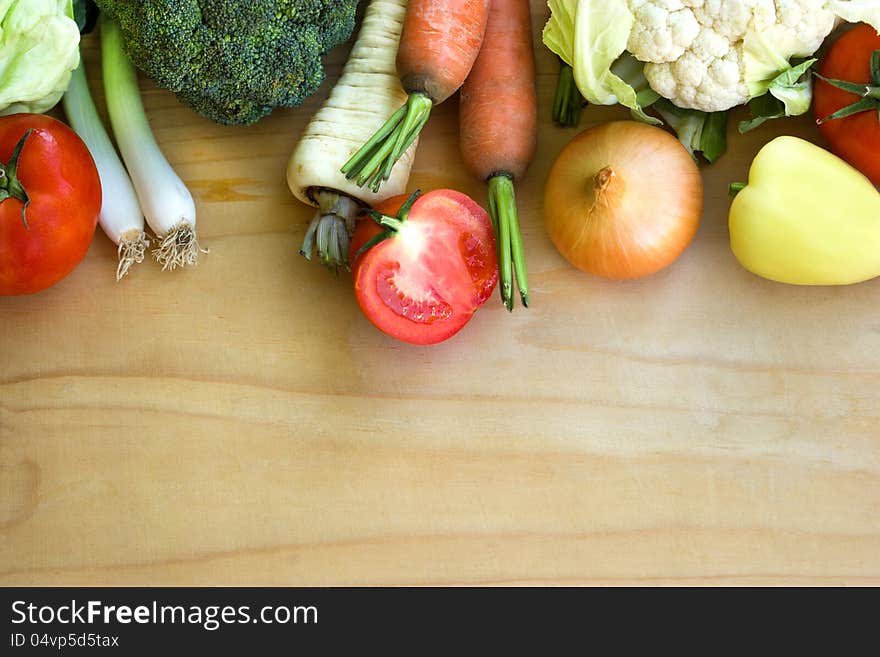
x,y
233,61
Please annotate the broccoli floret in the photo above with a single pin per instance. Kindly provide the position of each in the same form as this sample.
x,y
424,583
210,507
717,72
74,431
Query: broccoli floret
x,y
233,61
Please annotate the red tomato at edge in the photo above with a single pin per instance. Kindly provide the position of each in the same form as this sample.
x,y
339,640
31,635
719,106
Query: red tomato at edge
x,y
855,138
425,283
59,175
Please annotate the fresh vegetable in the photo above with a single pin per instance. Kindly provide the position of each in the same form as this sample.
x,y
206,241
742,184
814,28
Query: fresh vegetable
x,y
121,216
438,47
790,95
423,265
499,126
233,61
39,48
50,197
167,204
706,56
847,105
699,132
85,13
567,101
623,200
806,217
339,128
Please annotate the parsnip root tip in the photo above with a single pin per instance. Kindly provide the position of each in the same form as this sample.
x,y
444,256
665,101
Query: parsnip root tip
x,y
132,250
178,248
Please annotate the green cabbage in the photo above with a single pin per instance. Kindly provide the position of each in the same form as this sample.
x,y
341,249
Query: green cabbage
x,y
39,49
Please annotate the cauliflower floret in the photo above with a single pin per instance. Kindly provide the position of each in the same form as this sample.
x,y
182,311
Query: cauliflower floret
x,y
663,30
709,75
801,26
706,69
733,19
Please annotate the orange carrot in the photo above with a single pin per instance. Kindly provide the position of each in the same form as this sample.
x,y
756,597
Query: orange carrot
x,y
498,123
438,47
434,66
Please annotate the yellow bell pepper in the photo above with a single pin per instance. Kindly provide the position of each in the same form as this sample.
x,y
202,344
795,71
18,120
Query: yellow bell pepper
x,y
806,217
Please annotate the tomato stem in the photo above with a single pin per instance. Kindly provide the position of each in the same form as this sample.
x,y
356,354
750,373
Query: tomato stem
x,y
508,239
10,185
875,67
868,93
391,224
381,237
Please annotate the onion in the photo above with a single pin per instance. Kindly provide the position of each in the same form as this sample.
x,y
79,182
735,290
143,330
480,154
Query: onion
x,y
623,200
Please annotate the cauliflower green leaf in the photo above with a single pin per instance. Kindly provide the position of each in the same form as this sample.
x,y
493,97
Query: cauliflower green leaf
x,y
699,132
788,94
591,36
794,88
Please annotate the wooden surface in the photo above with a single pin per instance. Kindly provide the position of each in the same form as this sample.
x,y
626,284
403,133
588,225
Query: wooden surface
x,y
242,423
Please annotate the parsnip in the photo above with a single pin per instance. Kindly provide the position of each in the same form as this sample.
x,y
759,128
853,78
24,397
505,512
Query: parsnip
x,y
366,93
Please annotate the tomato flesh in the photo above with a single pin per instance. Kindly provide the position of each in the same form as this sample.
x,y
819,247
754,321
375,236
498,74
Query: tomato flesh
x,y
61,180
424,284
855,138
419,303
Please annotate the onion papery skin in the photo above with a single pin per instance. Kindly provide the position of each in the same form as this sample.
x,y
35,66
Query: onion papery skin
x,y
623,200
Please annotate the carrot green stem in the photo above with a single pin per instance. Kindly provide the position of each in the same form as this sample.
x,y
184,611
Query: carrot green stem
x,y
511,254
568,102
372,164
354,166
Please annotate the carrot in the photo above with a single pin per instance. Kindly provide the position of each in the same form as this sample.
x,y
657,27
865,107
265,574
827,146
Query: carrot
x,y
438,47
498,124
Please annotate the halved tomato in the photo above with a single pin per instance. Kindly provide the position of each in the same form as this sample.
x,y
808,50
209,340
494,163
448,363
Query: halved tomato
x,y
423,283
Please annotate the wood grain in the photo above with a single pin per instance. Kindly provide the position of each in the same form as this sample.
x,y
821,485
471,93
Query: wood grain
x,y
242,423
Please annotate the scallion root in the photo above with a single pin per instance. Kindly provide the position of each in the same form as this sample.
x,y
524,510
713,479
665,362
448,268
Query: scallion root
x,y
178,248
132,249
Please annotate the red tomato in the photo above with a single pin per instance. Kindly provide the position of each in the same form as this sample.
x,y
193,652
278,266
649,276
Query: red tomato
x,y
57,173
423,284
855,138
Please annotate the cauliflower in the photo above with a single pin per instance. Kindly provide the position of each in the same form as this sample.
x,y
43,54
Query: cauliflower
x,y
706,55
707,69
